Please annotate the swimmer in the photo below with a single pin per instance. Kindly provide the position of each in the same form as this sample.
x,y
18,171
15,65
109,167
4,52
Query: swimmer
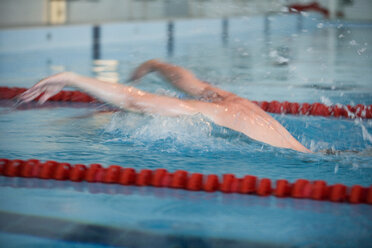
x,y
222,107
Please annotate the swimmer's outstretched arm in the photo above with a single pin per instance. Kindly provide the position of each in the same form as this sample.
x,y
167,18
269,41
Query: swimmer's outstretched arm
x,y
128,98
180,77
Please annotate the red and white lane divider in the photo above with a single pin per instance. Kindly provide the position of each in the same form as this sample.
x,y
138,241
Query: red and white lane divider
x,y
180,179
316,109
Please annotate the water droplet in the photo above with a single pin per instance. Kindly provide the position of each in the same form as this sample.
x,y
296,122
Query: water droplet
x,y
353,43
365,133
326,100
293,10
341,36
320,25
362,50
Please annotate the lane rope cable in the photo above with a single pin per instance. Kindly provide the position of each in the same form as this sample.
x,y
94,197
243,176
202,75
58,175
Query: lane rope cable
x,y
315,109
181,179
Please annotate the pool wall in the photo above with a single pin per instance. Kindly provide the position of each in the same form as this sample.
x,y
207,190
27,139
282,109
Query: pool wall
x,y
158,32
51,48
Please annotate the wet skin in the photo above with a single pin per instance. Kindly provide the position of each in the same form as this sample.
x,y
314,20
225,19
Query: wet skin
x,y
222,107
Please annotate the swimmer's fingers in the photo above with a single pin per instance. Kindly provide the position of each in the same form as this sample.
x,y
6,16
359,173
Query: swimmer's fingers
x,y
34,91
49,92
49,86
30,94
39,89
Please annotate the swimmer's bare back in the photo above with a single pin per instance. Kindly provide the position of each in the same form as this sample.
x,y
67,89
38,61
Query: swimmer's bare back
x,y
222,107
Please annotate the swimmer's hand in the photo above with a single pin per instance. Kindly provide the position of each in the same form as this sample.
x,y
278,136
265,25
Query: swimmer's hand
x,y
141,71
47,87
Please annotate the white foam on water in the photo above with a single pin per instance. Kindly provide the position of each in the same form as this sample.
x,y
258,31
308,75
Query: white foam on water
x,y
320,145
366,135
325,100
194,132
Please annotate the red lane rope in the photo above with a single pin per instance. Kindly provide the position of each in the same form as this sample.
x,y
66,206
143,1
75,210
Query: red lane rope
x,y
7,93
316,109
180,179
313,6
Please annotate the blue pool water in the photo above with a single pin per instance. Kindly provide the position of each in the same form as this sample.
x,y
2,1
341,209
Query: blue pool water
x,y
327,63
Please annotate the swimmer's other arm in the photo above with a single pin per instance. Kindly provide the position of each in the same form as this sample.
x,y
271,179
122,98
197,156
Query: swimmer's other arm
x,y
179,77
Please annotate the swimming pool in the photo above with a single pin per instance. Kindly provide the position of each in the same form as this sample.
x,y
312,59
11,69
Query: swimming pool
x,y
276,57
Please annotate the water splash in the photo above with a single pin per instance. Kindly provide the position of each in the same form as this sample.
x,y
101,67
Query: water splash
x,y
279,56
366,136
195,132
320,146
361,50
353,43
326,100
320,25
